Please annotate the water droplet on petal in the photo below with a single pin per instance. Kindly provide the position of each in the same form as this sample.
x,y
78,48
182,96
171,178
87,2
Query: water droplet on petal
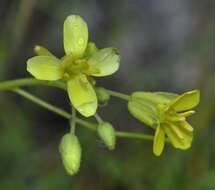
x,y
81,41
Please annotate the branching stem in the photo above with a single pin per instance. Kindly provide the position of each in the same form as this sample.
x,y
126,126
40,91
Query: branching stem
x,y
89,125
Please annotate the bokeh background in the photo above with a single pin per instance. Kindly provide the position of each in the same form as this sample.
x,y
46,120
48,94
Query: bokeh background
x,y
166,45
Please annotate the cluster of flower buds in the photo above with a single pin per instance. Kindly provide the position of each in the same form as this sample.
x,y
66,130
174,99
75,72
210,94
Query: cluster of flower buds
x,y
70,148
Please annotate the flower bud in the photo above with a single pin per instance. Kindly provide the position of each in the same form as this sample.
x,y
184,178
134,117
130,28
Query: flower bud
x,y
91,49
70,150
107,133
39,50
102,95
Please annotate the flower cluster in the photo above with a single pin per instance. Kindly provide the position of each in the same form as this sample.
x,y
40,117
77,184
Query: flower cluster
x,y
166,113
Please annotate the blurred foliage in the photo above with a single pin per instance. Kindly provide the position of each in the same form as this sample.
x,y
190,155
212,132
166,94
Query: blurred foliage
x,y
165,45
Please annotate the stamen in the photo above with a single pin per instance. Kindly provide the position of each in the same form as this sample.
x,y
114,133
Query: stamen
x,y
176,130
186,126
187,113
176,118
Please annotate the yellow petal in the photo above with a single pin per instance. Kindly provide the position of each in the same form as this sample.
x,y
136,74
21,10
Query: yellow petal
x,y
75,35
176,140
82,95
188,137
186,126
186,101
176,130
105,61
159,141
45,67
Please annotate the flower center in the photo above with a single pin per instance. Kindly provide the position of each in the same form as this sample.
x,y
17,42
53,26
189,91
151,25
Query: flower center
x,y
73,67
167,114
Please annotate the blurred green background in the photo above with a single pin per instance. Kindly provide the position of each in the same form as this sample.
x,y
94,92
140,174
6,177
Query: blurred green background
x,y
165,45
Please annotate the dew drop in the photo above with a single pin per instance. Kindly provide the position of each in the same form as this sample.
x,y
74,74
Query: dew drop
x,y
81,41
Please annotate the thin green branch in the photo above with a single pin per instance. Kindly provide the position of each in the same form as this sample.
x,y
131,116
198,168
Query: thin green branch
x,y
118,95
84,123
98,118
11,84
73,121
132,135
42,103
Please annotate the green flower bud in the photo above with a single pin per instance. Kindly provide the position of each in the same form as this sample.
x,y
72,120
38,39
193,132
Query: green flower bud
x,y
102,94
91,49
39,50
107,133
70,150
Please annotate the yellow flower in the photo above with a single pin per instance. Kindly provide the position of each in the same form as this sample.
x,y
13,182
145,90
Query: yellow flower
x,y
82,61
166,113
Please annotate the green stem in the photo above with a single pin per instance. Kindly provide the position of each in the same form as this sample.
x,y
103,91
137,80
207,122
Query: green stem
x,y
118,95
84,123
11,84
42,103
132,135
98,118
73,121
